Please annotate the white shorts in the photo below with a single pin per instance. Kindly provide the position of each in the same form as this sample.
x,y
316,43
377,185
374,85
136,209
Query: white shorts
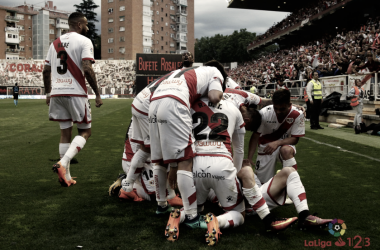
x,y
266,164
69,110
219,174
140,130
271,201
170,130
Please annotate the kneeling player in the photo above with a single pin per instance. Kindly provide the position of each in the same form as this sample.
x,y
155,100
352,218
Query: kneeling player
x,y
143,188
281,127
214,126
286,181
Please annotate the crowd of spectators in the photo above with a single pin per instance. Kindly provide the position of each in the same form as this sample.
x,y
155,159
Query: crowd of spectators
x,y
310,9
344,52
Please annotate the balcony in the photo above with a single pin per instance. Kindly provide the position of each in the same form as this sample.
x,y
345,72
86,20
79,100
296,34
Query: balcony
x,y
12,38
12,51
62,23
11,29
12,19
180,51
182,2
181,12
181,20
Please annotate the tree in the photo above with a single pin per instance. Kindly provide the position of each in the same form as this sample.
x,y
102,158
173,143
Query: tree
x,y
229,48
86,7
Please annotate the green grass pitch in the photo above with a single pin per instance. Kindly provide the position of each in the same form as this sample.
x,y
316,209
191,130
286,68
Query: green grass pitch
x,y
37,213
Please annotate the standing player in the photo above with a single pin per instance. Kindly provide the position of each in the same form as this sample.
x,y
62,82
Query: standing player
x,y
281,127
170,129
140,134
214,127
15,94
66,91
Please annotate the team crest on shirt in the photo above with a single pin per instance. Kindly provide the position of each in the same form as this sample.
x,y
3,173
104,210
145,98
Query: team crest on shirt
x,y
290,120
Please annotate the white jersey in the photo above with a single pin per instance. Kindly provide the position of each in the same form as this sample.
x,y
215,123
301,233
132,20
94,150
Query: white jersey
x,y
130,148
142,100
240,97
232,84
65,57
271,129
214,127
188,85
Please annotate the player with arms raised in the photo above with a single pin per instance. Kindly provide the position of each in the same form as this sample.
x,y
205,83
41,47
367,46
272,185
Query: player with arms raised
x,y
70,56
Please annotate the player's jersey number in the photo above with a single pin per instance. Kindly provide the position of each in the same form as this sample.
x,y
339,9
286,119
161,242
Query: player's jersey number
x,y
204,121
62,68
148,176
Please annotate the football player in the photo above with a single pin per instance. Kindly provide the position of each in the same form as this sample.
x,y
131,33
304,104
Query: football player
x,y
170,130
143,187
280,129
213,169
66,91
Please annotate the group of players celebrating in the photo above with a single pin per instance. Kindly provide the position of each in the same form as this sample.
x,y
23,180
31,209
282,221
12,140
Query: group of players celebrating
x,y
184,127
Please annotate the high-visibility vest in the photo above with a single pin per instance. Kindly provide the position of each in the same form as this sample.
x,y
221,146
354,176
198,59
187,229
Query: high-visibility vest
x,y
317,89
355,100
305,97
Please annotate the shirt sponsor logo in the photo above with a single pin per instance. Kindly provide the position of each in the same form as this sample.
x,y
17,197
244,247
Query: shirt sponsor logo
x,y
155,120
217,144
290,120
64,80
204,174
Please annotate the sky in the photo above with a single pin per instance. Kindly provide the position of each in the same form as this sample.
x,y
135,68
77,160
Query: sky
x,y
211,16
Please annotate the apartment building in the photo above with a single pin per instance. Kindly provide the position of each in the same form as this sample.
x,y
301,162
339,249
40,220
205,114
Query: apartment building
x,y
146,26
29,30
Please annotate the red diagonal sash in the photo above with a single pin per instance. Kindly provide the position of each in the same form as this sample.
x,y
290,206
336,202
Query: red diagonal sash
x,y
285,126
71,66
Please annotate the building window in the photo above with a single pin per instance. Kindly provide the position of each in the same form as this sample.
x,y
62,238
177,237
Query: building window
x,y
30,27
157,32
22,38
122,18
122,28
166,14
157,41
110,11
172,35
22,48
162,28
162,38
166,24
110,20
162,47
157,22
122,50
20,27
29,17
30,48
157,12
122,8
110,1
21,17
162,9
110,50
110,30
122,39
110,40
172,7
51,21
51,31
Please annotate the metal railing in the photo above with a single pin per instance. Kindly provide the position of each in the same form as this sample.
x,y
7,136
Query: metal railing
x,y
12,50
11,29
341,84
13,18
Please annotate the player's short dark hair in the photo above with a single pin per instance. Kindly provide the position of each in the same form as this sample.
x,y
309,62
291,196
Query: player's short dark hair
x,y
281,96
16,84
219,66
255,117
75,17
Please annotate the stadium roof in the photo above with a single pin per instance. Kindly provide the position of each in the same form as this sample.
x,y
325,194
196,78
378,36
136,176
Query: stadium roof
x,y
271,5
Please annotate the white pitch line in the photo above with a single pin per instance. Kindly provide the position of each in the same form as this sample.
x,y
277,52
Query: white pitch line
x,y
342,149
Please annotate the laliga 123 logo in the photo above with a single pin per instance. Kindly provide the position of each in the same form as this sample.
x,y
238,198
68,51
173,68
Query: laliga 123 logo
x,y
337,228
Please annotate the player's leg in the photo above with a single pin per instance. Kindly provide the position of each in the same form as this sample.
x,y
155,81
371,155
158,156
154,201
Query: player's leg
x,y
77,144
159,168
289,181
140,135
265,165
64,144
287,153
258,201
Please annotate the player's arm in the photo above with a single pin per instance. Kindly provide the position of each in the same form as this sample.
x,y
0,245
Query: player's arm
x,y
238,147
91,79
253,142
272,146
46,73
215,96
265,102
